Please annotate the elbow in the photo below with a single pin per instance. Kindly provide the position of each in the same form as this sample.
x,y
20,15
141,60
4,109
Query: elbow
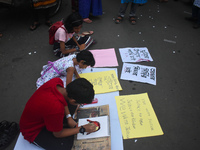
x,y
57,134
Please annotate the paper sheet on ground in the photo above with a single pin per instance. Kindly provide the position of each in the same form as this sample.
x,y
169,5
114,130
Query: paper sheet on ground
x,y
103,82
102,132
137,116
105,57
139,73
136,54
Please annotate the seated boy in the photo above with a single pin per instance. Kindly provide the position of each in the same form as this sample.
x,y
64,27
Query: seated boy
x,y
41,122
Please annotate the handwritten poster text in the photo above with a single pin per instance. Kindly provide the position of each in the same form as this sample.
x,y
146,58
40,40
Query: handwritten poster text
x,y
103,82
137,117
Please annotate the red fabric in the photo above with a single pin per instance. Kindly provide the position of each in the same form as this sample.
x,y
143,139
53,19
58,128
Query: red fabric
x,y
45,108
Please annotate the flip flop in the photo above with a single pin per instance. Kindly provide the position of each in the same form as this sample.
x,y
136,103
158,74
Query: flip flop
x,y
118,20
132,20
48,23
87,32
34,26
87,20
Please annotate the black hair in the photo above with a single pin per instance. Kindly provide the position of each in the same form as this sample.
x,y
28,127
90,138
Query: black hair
x,y
81,90
87,56
73,20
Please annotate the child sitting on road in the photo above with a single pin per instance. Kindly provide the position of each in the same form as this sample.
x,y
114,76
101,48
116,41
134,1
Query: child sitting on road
x,y
66,67
67,38
41,122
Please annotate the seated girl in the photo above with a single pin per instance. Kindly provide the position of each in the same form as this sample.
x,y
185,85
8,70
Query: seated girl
x,y
66,67
67,38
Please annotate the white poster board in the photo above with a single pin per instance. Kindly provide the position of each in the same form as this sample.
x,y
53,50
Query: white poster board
x,y
139,73
102,132
136,54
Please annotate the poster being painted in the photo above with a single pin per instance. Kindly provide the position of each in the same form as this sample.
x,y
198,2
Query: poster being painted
x,y
103,82
139,73
136,54
137,117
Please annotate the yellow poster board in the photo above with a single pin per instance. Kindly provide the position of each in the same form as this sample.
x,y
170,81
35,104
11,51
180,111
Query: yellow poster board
x,y
137,116
104,81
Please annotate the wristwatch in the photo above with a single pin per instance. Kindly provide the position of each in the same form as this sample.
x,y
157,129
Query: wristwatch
x,y
82,130
69,115
77,49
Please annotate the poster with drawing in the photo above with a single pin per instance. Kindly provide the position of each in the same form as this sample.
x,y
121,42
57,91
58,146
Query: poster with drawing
x,y
136,54
103,131
139,73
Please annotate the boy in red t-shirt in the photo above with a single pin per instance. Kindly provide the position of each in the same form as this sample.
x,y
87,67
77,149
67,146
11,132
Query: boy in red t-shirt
x,y
41,122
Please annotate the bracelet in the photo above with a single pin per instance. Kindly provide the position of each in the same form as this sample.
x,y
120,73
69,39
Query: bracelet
x,y
77,49
69,115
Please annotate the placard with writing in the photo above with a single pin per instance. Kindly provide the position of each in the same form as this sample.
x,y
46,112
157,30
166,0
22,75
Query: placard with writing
x,y
136,54
137,116
103,82
139,73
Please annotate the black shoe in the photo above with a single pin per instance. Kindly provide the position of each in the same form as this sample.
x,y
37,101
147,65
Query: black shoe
x,y
3,125
8,134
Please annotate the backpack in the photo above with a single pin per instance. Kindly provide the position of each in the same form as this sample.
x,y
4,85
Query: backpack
x,y
52,31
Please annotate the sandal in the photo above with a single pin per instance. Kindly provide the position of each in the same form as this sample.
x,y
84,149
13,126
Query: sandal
x,y
87,32
132,20
48,23
118,20
34,26
87,20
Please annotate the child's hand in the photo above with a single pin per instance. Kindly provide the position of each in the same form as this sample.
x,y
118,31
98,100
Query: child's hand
x,y
90,127
82,47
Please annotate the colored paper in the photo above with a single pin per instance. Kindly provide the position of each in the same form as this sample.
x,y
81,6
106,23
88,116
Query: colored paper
x,y
105,57
103,82
137,116
139,73
136,54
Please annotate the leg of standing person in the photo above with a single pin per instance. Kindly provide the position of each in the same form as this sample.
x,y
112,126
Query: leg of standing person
x,y
132,14
196,15
74,4
35,23
96,7
84,10
121,14
47,17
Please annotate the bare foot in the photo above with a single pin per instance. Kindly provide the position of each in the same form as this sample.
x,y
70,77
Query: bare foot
x,y
87,20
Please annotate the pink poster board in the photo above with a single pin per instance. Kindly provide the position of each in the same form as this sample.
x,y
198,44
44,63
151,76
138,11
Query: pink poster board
x,y
105,57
